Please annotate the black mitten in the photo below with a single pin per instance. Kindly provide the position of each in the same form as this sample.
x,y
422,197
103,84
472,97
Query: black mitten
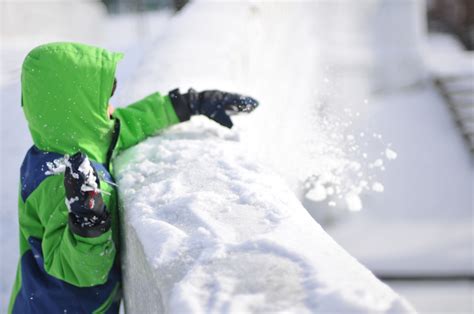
x,y
214,104
88,216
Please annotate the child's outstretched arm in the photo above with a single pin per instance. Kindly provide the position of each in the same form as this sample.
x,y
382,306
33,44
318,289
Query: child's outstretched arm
x,y
144,118
82,251
156,112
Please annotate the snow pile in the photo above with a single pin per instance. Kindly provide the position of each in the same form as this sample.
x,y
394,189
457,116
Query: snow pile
x,y
222,234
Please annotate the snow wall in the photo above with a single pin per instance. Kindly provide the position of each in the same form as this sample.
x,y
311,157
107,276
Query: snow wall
x,y
206,228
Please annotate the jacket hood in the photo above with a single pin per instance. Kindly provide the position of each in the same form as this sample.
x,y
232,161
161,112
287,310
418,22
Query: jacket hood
x,y
65,90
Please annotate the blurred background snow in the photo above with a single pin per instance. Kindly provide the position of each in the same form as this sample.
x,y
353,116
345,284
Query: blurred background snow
x,y
366,112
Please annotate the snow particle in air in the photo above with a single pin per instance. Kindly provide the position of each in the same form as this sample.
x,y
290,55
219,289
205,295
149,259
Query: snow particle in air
x,y
353,201
390,154
318,193
377,187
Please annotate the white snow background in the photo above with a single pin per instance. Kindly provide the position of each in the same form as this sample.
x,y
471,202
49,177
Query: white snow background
x,y
319,127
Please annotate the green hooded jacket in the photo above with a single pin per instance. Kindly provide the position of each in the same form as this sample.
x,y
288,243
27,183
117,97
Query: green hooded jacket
x,y
65,92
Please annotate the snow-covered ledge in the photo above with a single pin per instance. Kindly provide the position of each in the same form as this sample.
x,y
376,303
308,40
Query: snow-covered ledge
x,y
207,230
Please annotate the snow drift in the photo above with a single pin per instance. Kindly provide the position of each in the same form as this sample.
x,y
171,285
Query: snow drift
x,y
208,230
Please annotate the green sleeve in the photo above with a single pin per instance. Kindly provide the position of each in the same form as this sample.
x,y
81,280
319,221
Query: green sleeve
x,y
69,257
144,118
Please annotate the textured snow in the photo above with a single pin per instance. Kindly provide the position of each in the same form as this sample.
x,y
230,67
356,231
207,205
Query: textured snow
x,y
90,183
390,154
378,187
70,201
353,201
223,234
318,193
55,167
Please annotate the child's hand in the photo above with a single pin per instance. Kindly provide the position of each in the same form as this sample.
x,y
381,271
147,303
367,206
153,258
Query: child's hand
x,y
81,183
214,104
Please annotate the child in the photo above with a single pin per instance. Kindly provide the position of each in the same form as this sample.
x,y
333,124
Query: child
x,y
68,203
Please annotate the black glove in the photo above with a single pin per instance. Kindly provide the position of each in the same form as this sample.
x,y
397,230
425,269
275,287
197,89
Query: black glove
x,y
88,216
214,104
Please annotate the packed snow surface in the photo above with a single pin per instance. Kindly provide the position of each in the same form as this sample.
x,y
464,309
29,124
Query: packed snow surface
x,y
222,234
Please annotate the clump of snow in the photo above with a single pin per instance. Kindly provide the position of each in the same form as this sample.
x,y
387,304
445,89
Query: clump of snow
x,y
339,169
71,201
390,154
55,167
378,187
318,193
353,201
90,183
222,233
378,163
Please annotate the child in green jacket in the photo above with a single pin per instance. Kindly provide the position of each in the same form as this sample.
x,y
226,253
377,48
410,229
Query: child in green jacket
x,y
68,202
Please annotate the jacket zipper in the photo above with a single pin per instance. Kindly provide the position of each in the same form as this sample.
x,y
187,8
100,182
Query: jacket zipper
x,y
115,136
